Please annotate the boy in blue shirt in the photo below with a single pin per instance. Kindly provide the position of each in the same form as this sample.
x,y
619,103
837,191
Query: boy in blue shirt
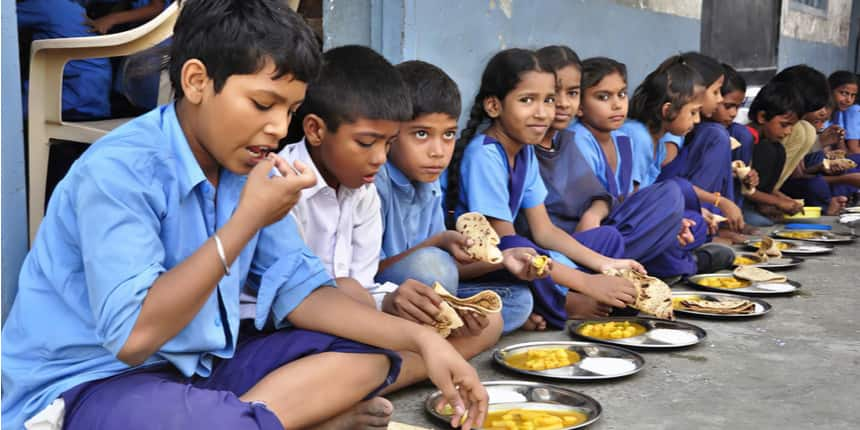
x,y
417,249
128,313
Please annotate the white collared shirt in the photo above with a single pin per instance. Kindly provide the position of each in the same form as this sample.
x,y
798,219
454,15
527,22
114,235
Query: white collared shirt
x,y
343,226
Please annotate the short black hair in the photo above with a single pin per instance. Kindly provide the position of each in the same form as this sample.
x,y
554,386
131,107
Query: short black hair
x,y
709,68
356,82
431,90
840,78
776,98
733,82
557,57
596,68
810,84
237,37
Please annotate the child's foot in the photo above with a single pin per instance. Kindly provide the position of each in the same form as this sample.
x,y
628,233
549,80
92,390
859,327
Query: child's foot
x,y
713,257
580,306
367,415
535,323
734,238
836,205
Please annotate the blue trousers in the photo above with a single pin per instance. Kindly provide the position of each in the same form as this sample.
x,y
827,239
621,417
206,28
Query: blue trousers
x,y
428,265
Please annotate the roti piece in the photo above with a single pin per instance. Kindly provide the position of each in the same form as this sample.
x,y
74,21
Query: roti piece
x,y
485,302
719,218
757,274
484,238
734,143
769,248
447,320
741,171
728,306
653,296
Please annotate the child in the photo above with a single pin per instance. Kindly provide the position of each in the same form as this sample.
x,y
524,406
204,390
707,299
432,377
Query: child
x,y
129,299
734,92
86,83
650,219
773,113
415,243
139,11
497,175
844,86
351,115
705,159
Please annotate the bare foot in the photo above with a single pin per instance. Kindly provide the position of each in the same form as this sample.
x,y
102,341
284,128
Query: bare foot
x,y
836,205
534,323
732,237
367,415
579,306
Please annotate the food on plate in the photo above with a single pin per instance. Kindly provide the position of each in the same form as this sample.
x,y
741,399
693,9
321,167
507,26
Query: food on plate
x,y
532,419
484,238
770,247
723,282
724,306
746,260
801,234
757,274
653,296
612,329
542,359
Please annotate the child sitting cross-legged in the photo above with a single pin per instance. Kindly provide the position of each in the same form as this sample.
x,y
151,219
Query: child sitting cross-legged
x,y
351,115
128,314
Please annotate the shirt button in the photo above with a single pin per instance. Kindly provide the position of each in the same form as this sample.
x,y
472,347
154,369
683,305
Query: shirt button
x,y
217,322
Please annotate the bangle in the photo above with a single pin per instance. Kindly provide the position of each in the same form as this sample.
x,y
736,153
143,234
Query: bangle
x,y
717,201
221,254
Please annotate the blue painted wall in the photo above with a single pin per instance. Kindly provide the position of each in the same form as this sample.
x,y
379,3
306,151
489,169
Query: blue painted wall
x,y
825,57
13,220
461,36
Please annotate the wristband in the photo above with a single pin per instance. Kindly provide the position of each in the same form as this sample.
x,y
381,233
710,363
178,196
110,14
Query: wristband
x,y
221,254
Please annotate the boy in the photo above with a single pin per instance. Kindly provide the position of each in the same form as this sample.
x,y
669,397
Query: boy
x,y
415,244
352,114
149,239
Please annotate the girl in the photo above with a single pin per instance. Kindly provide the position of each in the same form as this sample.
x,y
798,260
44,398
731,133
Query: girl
x,y
844,86
734,92
705,159
495,172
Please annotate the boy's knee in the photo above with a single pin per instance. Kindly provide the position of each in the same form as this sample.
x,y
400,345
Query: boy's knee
x,y
431,264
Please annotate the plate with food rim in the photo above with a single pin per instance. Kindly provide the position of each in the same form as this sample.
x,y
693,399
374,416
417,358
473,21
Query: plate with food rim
x,y
727,283
794,247
852,210
818,236
569,360
647,332
533,397
772,263
758,307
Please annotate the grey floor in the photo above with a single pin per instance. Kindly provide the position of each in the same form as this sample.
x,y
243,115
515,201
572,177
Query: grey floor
x,y
797,367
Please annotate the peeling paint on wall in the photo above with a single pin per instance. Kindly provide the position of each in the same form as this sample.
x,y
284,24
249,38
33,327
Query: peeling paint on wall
x,y
685,8
833,28
506,6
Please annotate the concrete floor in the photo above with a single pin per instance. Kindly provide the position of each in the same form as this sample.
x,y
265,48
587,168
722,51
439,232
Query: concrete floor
x,y
797,367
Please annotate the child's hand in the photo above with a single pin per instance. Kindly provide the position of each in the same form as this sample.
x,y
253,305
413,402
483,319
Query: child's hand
x,y
752,179
461,388
685,235
101,25
789,206
474,323
713,225
733,213
267,200
832,135
456,243
413,301
611,290
518,261
619,264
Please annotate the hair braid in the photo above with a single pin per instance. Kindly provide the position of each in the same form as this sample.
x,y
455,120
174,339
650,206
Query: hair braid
x,y
452,192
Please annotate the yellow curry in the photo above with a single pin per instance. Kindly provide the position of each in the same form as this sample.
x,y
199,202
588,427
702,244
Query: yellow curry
x,y
532,419
542,359
800,234
723,282
744,261
612,330
779,245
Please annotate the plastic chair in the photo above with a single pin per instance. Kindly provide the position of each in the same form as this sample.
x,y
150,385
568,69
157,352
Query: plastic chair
x,y
47,59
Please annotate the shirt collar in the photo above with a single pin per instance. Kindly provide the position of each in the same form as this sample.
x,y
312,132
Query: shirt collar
x,y
404,184
191,174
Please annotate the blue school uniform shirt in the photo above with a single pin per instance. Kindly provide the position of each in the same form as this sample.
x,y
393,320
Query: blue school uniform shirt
x,y
647,160
485,180
133,207
86,83
411,211
593,154
849,119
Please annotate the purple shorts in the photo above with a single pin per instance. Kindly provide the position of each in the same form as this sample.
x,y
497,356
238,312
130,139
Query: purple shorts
x,y
159,397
